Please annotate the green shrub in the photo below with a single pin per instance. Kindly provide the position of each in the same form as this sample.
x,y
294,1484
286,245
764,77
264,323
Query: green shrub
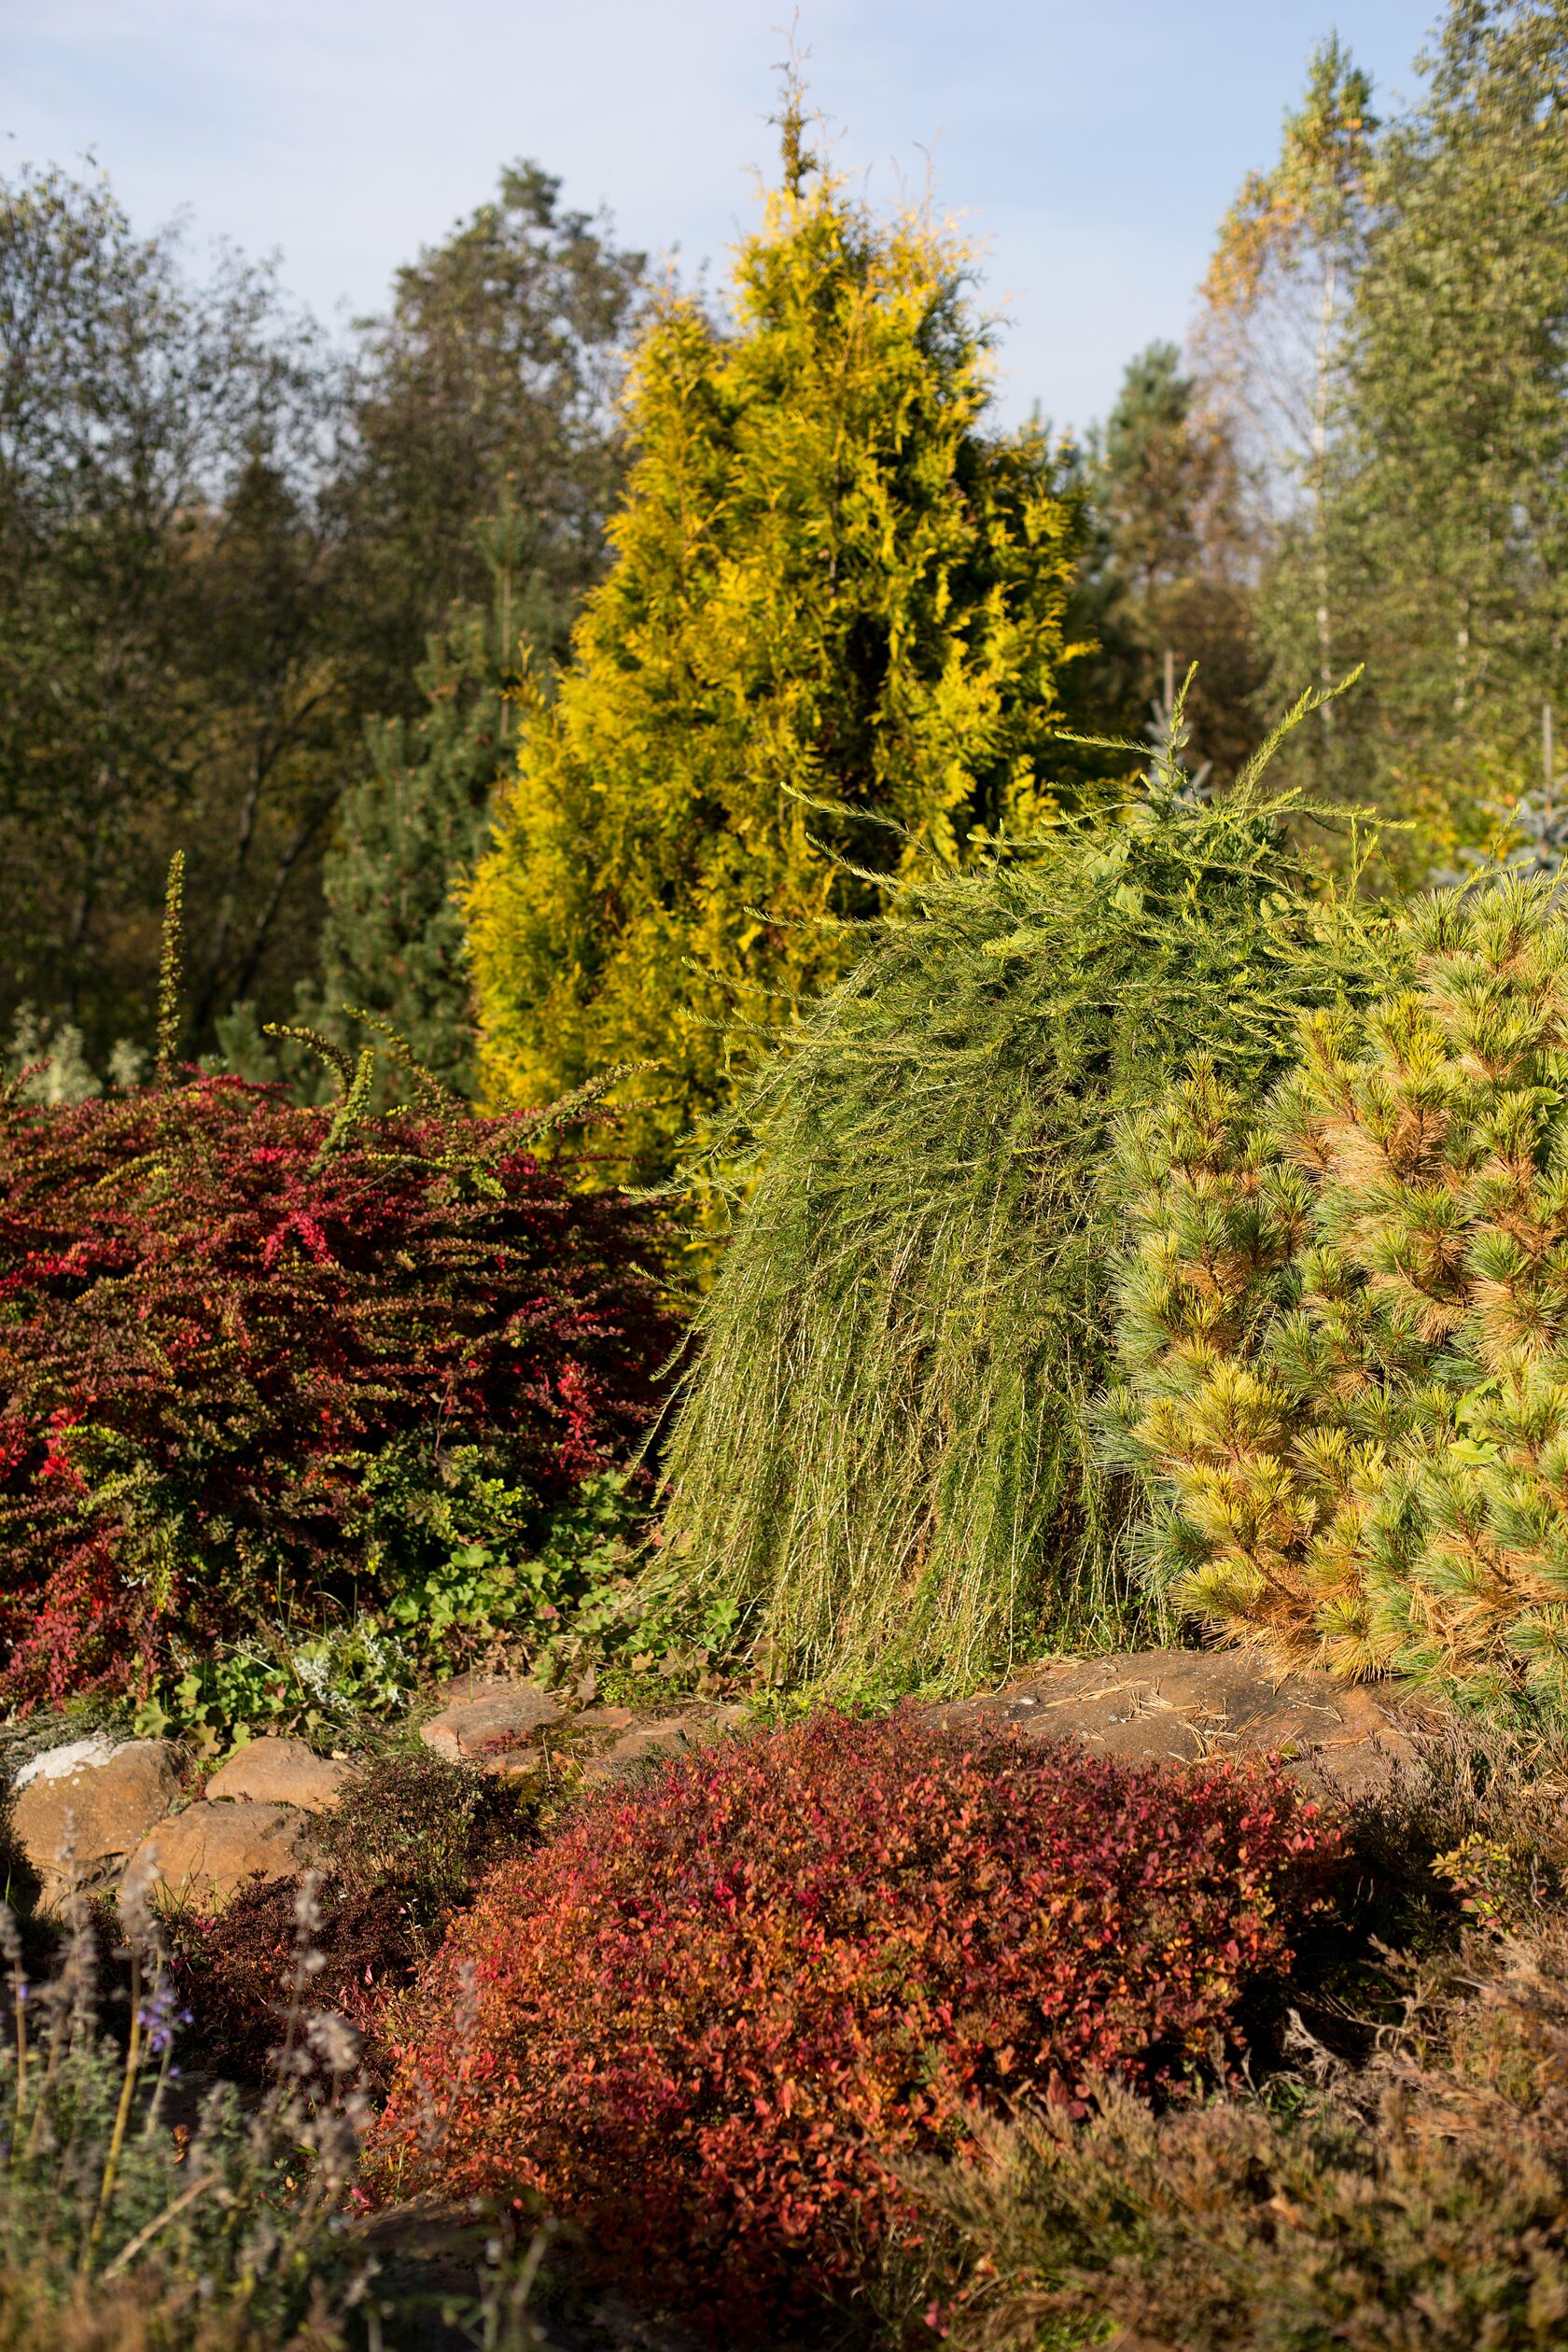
x,y
1344,1322
882,1466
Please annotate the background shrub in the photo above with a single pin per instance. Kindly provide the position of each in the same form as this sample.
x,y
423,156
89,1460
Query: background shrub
x,y
883,1465
256,1358
712,2008
831,575
1344,1326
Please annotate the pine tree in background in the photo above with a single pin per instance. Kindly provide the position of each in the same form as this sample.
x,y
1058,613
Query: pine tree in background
x,y
409,834
828,580
1168,577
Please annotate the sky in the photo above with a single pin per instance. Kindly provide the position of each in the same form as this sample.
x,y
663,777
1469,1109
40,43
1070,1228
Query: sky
x,y
1091,146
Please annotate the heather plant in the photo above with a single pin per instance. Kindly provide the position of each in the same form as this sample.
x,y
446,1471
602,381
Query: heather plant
x,y
1402,2191
714,2009
881,1467
1341,1322
1410,2213
271,1364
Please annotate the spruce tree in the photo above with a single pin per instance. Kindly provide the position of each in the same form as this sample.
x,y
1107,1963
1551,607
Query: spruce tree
x,y
409,832
830,586
1166,579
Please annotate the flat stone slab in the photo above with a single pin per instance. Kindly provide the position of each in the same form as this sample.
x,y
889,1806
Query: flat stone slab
x,y
657,1742
484,1718
80,1810
273,1772
1186,1703
205,1853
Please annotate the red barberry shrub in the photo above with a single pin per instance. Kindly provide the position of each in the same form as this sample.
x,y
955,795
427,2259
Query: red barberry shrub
x,y
242,1344
706,2016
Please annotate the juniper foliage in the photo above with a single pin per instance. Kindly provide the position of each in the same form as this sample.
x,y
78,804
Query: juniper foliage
x,y
880,1464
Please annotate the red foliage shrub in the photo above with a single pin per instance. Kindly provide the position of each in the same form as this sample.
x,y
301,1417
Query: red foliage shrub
x,y
233,1971
704,2016
409,1842
238,1345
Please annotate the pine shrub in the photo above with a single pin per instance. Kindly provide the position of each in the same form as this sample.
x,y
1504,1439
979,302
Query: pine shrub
x,y
1343,1322
883,1463
714,2009
258,1361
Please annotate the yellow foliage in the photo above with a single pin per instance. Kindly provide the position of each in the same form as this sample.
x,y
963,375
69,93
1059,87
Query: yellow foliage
x,y
834,598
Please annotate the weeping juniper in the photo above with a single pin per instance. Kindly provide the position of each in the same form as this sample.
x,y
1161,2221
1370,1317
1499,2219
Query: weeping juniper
x,y
882,1465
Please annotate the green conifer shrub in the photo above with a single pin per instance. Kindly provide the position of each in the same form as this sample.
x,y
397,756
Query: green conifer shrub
x,y
408,835
1344,1320
828,580
882,1462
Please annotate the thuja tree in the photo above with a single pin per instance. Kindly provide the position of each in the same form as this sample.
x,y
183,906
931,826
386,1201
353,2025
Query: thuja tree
x,y
881,1463
1343,1326
833,596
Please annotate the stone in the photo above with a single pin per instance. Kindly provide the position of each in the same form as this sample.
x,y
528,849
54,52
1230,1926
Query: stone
x,y
1343,1738
486,1719
204,1855
94,1799
651,1742
606,1719
657,1742
272,1771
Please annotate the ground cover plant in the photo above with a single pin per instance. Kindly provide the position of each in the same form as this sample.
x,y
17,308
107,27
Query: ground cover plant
x,y
883,1463
1343,1322
707,2012
265,1362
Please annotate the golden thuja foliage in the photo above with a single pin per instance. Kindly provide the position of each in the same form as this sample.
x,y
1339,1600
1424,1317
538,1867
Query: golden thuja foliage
x,y
830,586
1344,1322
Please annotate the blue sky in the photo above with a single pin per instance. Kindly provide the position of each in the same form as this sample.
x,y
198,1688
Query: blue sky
x,y
1092,144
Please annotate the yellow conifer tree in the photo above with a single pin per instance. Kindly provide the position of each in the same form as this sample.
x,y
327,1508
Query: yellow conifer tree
x,y
830,584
